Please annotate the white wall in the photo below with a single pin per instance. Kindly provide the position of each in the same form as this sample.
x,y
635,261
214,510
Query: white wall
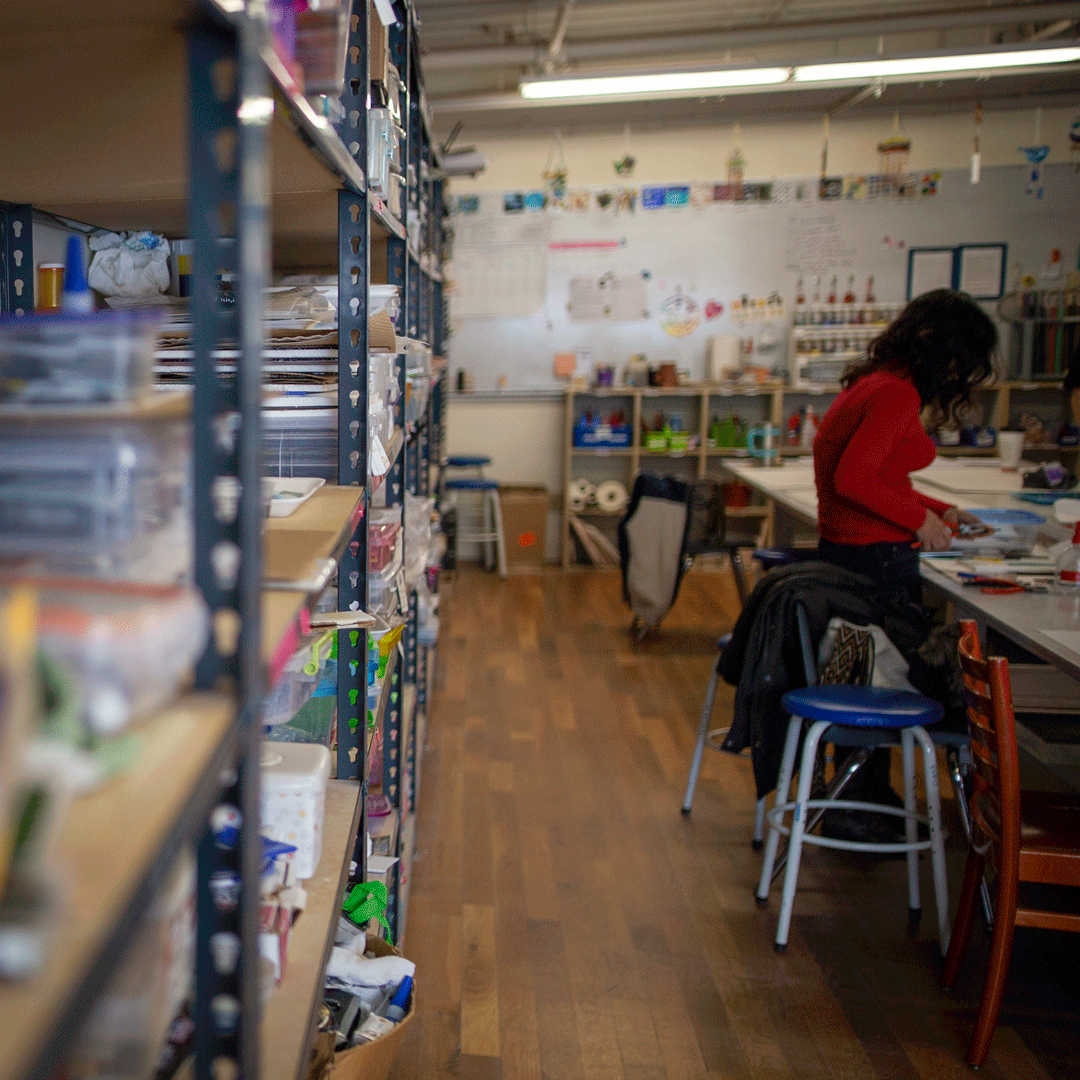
x,y
782,149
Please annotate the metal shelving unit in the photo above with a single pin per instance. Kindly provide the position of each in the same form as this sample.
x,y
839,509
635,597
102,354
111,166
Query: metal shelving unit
x,y
237,152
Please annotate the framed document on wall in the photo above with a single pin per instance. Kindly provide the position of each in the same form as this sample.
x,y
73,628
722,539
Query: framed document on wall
x,y
981,270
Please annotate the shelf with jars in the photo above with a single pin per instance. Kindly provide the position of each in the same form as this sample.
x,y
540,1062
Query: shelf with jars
x,y
827,337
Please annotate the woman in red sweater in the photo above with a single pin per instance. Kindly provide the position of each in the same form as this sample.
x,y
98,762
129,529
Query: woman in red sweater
x,y
870,518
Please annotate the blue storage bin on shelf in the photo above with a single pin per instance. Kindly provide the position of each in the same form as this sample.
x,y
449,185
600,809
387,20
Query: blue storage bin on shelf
x,y
601,436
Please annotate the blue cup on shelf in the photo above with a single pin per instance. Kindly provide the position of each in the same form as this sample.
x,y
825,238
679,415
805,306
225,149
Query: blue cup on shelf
x,y
763,444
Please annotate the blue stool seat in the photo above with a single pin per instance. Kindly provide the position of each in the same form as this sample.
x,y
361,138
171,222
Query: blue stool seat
x,y
467,461
863,706
471,483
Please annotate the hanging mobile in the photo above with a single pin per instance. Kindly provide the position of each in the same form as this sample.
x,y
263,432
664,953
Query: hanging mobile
x,y
555,172
1036,155
976,154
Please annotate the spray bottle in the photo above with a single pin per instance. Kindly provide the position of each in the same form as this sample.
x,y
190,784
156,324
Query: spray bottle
x,y
1067,511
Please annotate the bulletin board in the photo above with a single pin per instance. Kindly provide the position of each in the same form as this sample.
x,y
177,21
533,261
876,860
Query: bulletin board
x,y
525,286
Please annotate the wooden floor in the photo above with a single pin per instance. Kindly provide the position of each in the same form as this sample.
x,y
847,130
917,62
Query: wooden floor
x,y
567,922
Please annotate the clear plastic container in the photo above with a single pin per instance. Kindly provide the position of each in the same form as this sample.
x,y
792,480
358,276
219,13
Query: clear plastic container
x,y
127,648
322,37
59,357
298,681
110,501
382,594
384,298
382,540
300,442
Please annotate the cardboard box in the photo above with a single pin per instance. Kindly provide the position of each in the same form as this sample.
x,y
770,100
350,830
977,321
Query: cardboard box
x,y
378,48
524,515
372,1060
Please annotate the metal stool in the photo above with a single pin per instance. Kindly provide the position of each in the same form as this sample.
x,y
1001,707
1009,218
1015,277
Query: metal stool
x,y
475,462
858,716
486,528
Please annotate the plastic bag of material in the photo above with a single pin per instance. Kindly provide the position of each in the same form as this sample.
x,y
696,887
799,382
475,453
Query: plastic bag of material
x,y
129,264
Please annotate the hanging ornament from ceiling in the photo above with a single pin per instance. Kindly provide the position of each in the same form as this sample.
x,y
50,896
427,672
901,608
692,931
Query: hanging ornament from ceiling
x,y
1036,155
893,152
625,165
555,172
736,167
976,153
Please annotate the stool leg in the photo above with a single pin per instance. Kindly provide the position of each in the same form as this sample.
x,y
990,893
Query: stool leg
x,y
956,774
783,794
937,836
486,552
759,825
911,828
798,826
699,747
739,573
500,539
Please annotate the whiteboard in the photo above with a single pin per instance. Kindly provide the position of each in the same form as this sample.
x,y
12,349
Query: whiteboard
x,y
699,261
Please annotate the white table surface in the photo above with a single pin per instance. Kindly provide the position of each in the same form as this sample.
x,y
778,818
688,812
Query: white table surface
x,y
1046,624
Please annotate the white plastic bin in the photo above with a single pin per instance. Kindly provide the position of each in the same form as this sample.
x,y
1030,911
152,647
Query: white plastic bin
x,y
293,801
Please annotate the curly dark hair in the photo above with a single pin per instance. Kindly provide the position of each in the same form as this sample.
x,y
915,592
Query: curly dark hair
x,y
943,342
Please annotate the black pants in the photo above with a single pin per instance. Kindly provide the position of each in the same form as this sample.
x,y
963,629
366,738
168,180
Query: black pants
x,y
893,566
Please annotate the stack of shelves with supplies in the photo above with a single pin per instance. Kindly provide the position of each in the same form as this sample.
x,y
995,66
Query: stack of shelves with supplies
x,y
696,405
191,124
408,255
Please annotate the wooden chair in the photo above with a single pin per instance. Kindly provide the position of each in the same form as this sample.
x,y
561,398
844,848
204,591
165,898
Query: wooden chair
x,y
1030,836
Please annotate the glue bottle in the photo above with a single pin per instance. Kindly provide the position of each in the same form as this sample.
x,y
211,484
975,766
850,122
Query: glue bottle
x,y
76,296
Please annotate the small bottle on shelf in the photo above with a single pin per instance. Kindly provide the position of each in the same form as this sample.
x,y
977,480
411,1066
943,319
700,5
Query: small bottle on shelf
x,y
849,296
832,291
808,431
816,316
800,305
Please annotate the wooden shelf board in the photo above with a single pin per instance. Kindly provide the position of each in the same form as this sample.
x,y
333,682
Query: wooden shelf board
x,y
157,405
316,531
289,1017
602,451
107,158
745,511
280,611
108,845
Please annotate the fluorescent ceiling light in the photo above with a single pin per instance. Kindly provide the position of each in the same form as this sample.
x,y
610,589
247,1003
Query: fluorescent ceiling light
x,y
933,65
662,83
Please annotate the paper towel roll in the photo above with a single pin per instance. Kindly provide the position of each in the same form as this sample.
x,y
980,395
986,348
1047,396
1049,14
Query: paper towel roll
x,y
611,496
577,504
582,489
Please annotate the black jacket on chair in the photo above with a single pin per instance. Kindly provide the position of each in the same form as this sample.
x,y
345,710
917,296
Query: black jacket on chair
x,y
764,661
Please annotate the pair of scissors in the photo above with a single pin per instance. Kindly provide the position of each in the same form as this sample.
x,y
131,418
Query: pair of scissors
x,y
1001,586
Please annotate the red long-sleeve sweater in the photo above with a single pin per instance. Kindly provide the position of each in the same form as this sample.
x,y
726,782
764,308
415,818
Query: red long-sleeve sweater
x,y
868,443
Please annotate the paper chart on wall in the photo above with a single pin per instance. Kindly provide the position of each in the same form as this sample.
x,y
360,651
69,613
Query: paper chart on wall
x,y
500,266
608,299
815,242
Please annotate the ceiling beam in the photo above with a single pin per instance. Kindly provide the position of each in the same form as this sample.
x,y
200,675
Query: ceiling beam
x,y
748,36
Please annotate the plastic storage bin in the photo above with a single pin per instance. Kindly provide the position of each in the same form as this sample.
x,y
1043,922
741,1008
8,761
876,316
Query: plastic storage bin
x,y
384,298
106,356
382,595
322,38
601,435
300,442
298,680
127,648
382,540
110,501
293,799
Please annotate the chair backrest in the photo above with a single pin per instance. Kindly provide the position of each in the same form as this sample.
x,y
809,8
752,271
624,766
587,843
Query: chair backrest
x,y
995,802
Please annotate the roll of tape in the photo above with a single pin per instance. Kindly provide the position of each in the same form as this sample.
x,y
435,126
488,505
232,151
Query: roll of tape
x,y
611,496
577,504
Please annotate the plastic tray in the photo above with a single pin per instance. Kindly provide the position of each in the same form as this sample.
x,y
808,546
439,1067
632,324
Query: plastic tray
x,y
110,501
58,357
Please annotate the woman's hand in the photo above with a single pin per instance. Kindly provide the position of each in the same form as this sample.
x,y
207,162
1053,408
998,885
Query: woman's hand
x,y
934,533
955,517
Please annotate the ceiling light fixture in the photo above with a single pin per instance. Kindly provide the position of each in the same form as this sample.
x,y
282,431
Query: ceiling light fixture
x,y
862,70
659,83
